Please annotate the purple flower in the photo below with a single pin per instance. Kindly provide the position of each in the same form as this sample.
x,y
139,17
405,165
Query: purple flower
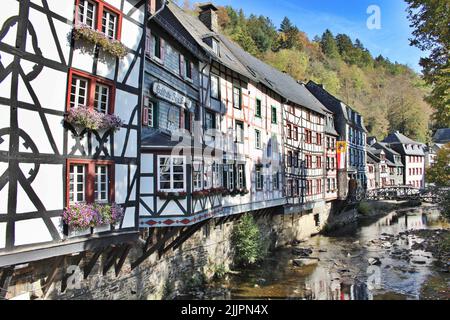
x,y
90,119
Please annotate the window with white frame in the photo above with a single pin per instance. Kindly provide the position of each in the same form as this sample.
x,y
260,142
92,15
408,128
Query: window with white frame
x,y
215,46
239,132
101,184
109,24
241,176
87,12
171,173
258,144
198,176
77,183
208,176
276,182
216,175
101,98
210,120
215,87
237,98
259,178
228,176
79,92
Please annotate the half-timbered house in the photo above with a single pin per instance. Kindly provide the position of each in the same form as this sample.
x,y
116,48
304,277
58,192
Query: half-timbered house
x,y
69,125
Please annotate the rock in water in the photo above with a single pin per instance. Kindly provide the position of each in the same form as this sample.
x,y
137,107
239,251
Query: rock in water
x,y
374,261
305,262
302,252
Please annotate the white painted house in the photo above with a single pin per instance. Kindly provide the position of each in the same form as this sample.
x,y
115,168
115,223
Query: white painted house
x,y
47,162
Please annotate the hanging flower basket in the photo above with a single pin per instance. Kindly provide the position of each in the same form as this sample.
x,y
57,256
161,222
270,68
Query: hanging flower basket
x,y
113,47
244,192
92,120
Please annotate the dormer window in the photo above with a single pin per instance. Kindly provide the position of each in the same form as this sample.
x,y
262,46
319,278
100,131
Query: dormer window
x,y
215,46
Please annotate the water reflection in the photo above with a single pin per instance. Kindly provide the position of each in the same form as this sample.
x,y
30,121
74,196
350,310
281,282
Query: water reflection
x,y
369,261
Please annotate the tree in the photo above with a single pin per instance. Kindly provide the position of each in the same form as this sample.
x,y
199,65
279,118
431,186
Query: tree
x,y
439,173
288,34
430,20
329,46
246,42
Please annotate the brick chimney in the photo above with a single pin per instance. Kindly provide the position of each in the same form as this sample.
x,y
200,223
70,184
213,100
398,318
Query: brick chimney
x,y
208,15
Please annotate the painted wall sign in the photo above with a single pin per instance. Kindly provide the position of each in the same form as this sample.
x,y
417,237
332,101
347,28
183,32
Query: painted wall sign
x,y
164,92
341,154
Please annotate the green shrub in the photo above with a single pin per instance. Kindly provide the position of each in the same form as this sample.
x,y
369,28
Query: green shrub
x,y
248,242
220,271
445,204
364,208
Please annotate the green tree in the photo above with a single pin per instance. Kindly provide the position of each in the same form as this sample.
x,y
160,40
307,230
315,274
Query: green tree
x,y
430,20
329,46
243,38
248,242
288,34
439,173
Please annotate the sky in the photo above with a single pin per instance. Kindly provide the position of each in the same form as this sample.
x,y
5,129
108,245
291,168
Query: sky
x,y
344,16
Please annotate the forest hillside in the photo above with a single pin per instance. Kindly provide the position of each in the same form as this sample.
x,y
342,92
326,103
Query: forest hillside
x,y
389,95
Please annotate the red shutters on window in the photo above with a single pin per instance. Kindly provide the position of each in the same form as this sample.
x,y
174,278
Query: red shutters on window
x,y
148,42
182,67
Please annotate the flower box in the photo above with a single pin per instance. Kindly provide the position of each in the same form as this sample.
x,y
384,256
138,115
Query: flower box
x,y
85,219
102,228
112,47
171,195
83,117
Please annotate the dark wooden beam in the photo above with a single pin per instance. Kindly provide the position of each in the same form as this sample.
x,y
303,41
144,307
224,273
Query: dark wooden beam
x,y
91,263
160,243
53,272
5,279
149,240
111,258
184,237
122,259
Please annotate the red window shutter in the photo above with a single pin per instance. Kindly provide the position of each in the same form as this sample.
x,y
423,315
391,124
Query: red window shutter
x,y
181,65
148,42
163,50
145,116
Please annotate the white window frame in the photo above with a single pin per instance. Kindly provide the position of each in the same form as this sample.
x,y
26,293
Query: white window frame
x,y
197,176
258,140
259,178
74,181
82,15
229,168
215,46
76,82
171,173
240,132
98,95
216,175
110,18
240,176
98,183
215,94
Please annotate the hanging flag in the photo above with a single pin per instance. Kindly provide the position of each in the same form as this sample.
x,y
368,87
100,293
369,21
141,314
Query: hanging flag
x,y
341,154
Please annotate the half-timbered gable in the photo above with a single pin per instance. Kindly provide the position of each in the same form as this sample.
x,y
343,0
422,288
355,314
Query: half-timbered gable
x,y
49,69
352,139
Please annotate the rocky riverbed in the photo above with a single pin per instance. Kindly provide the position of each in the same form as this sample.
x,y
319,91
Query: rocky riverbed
x,y
402,255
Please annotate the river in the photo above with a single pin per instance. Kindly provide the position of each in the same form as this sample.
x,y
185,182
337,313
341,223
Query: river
x,y
370,260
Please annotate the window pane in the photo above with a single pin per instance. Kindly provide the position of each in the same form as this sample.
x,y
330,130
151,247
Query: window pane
x,y
109,22
87,12
76,183
78,92
101,98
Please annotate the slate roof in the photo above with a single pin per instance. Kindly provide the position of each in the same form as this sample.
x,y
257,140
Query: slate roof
x,y
442,136
397,137
199,32
333,103
276,80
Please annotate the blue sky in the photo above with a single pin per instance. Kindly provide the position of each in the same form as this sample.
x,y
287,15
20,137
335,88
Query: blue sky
x,y
344,16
